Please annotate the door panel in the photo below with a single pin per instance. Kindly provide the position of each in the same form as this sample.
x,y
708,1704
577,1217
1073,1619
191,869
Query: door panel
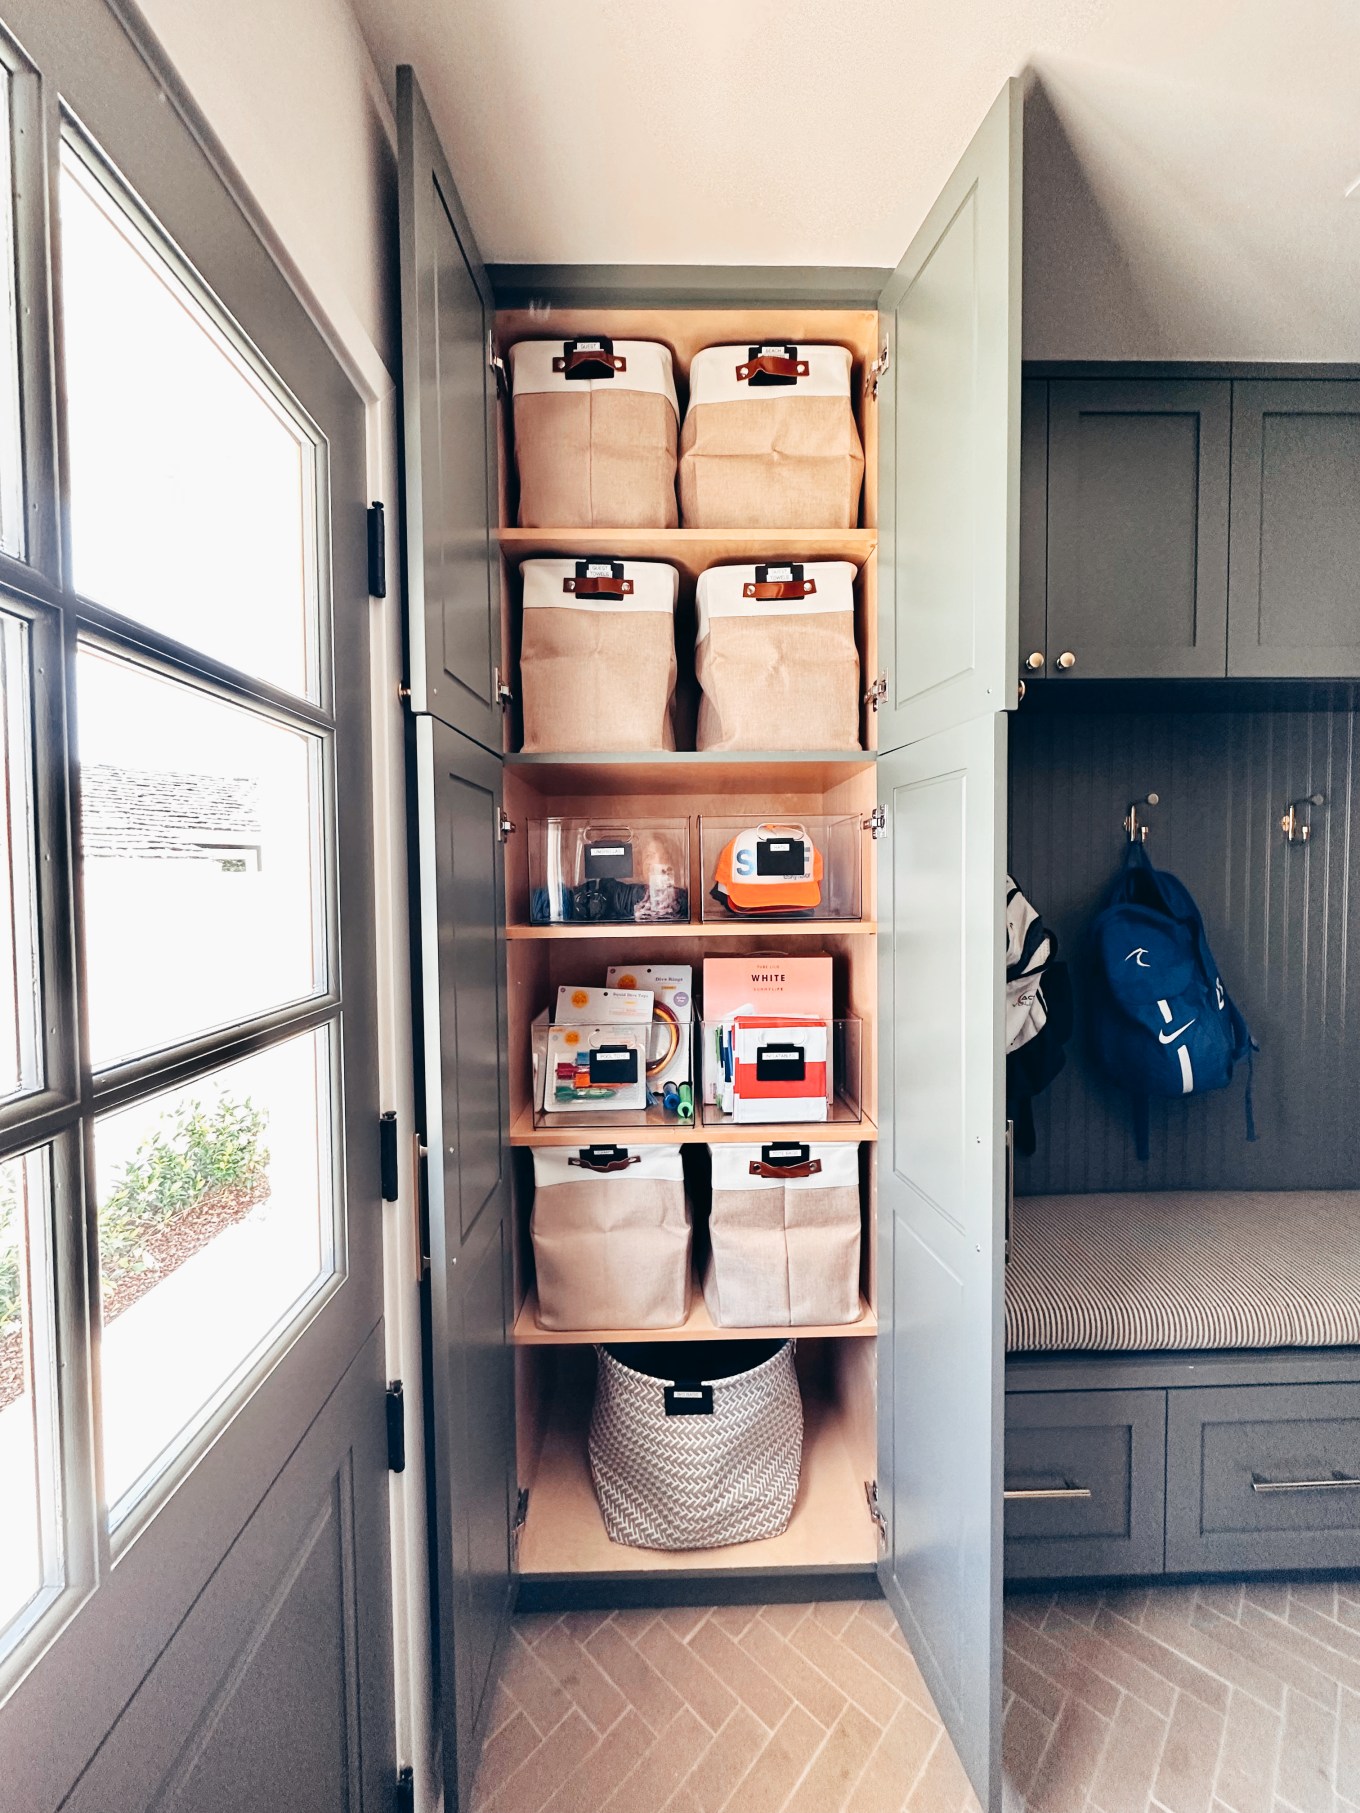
x,y
449,431
1295,596
941,1182
1137,529
461,909
268,1650
950,447
1034,529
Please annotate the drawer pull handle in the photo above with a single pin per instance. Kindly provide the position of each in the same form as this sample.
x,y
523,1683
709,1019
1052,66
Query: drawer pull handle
x,y
1033,1492
1339,1483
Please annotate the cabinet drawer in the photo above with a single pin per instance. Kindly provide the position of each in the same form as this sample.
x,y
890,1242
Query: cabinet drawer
x,y
1085,1483
1263,1477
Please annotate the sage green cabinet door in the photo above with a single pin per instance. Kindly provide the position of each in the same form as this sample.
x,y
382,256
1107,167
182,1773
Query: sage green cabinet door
x,y
1034,529
1295,578
449,440
941,1220
1137,529
949,447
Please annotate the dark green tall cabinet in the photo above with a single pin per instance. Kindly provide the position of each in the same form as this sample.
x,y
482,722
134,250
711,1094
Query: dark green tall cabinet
x,y
902,1461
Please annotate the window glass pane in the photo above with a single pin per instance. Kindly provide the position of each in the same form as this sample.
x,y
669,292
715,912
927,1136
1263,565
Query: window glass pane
x,y
12,537
20,1046
29,1559
193,490
204,886
216,1220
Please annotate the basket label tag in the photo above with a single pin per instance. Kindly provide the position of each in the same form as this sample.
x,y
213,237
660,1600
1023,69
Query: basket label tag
x,y
689,1398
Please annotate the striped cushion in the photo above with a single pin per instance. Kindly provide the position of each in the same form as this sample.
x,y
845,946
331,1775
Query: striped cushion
x,y
1184,1270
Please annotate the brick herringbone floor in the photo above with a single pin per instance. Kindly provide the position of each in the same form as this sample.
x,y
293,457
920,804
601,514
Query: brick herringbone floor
x,y
1210,1699
1222,1699
777,1709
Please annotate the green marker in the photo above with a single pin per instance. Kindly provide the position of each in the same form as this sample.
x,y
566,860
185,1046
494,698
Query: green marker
x,y
685,1110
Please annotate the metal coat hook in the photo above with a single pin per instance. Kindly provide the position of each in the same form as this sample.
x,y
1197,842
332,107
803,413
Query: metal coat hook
x,y
1298,829
1133,825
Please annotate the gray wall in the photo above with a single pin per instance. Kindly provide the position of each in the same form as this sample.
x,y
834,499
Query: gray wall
x,y
1284,924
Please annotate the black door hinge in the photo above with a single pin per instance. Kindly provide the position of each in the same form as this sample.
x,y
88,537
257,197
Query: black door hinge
x,y
404,1800
387,1154
377,552
396,1428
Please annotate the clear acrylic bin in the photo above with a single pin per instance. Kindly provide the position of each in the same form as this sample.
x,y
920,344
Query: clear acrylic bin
x,y
607,872
602,1076
803,868
759,1070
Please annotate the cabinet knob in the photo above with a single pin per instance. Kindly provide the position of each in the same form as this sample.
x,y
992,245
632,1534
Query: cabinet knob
x,y
1035,662
1067,660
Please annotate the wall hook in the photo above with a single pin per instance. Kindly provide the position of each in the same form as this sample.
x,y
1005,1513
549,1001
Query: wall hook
x,y
1298,827
1133,825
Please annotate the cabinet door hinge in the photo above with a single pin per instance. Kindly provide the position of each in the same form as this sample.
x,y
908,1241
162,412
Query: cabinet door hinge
x,y
877,692
521,1518
377,552
497,367
396,1428
875,1514
876,370
877,821
505,826
387,1154
500,691
404,1800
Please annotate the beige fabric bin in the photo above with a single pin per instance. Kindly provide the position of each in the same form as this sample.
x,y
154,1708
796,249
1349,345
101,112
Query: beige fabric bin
x,y
784,1233
776,657
597,655
611,1235
595,430
770,441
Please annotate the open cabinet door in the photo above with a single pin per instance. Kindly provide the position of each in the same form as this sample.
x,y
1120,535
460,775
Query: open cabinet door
x,y
461,914
454,613
949,438
941,1215
449,435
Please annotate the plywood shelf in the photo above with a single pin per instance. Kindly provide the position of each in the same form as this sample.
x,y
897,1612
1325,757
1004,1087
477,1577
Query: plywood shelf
x,y
697,1326
564,1532
710,775
668,1132
684,928
692,550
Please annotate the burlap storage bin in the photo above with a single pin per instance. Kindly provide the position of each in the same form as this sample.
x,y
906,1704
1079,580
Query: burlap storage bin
x,y
770,442
784,1233
611,1235
776,657
597,655
696,1444
595,429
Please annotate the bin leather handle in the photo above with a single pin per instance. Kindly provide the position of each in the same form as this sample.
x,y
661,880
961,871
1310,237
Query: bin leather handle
x,y
761,1167
782,368
789,582
598,587
605,1158
585,359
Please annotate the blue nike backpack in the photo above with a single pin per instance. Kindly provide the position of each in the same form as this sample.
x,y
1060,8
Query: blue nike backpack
x,y
1164,1024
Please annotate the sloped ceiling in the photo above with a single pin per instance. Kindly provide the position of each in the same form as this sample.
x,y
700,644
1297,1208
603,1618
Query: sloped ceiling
x,y
1184,149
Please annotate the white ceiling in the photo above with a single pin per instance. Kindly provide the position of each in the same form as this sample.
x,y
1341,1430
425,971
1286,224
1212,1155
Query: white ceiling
x,y
1190,143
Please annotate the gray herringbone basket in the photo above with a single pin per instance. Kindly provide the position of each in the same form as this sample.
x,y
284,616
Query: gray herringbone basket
x,y
696,1481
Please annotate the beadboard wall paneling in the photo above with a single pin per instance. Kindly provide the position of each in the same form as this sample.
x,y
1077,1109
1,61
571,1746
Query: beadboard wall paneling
x,y
1283,921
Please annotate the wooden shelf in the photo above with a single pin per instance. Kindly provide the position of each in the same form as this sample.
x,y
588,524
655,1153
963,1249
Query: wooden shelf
x,y
667,1132
692,550
691,773
565,1534
705,928
697,1326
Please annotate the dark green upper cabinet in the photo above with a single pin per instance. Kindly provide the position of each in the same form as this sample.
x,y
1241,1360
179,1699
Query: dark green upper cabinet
x,y
1295,594
449,435
1137,555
